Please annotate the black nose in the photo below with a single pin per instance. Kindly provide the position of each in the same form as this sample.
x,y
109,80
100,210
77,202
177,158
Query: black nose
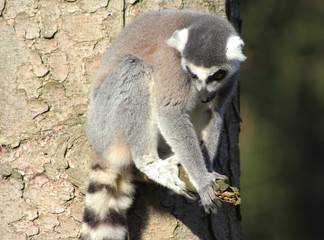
x,y
205,96
204,99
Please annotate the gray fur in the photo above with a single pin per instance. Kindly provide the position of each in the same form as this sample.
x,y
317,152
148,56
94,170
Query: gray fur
x,y
122,103
206,32
143,91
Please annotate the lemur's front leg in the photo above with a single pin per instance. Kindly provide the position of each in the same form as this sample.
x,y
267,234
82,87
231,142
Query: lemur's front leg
x,y
211,135
212,132
179,133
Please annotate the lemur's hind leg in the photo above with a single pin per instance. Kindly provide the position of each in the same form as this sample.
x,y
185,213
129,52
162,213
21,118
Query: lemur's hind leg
x,y
165,172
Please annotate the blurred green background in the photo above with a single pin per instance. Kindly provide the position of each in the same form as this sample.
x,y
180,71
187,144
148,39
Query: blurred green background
x,y
282,106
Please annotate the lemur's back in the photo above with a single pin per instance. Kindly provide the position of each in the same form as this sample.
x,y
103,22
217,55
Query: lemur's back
x,y
143,38
147,33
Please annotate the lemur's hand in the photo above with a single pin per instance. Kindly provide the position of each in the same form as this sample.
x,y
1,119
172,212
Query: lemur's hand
x,y
208,199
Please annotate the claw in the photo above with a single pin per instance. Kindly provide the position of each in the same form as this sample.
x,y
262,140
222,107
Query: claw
x,y
215,186
190,195
212,209
220,176
218,203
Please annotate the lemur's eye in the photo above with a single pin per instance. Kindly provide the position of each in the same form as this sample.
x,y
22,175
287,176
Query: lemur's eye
x,y
219,75
194,76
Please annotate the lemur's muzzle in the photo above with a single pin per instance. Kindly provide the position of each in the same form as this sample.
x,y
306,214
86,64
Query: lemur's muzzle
x,y
205,96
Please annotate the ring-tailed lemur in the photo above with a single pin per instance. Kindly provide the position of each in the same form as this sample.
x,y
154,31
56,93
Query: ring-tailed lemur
x,y
169,74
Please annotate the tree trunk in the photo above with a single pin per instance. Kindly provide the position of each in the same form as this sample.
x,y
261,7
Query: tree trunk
x,y
50,51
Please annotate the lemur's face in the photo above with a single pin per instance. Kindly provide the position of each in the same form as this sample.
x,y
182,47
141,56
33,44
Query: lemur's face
x,y
208,80
210,56
214,70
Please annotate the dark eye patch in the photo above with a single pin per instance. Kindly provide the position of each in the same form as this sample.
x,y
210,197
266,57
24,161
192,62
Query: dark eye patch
x,y
217,76
192,75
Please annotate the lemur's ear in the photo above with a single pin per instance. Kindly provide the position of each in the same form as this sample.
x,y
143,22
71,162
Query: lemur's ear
x,y
179,39
234,49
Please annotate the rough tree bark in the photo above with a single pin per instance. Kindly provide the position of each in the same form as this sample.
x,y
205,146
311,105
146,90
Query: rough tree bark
x,y
49,51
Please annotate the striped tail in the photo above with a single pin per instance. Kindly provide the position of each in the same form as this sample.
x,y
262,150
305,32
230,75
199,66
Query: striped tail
x,y
109,195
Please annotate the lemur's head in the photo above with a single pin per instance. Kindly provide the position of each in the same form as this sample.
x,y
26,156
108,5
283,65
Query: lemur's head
x,y
211,52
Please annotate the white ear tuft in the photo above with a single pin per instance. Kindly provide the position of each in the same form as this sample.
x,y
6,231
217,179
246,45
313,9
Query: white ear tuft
x,y
234,49
179,39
